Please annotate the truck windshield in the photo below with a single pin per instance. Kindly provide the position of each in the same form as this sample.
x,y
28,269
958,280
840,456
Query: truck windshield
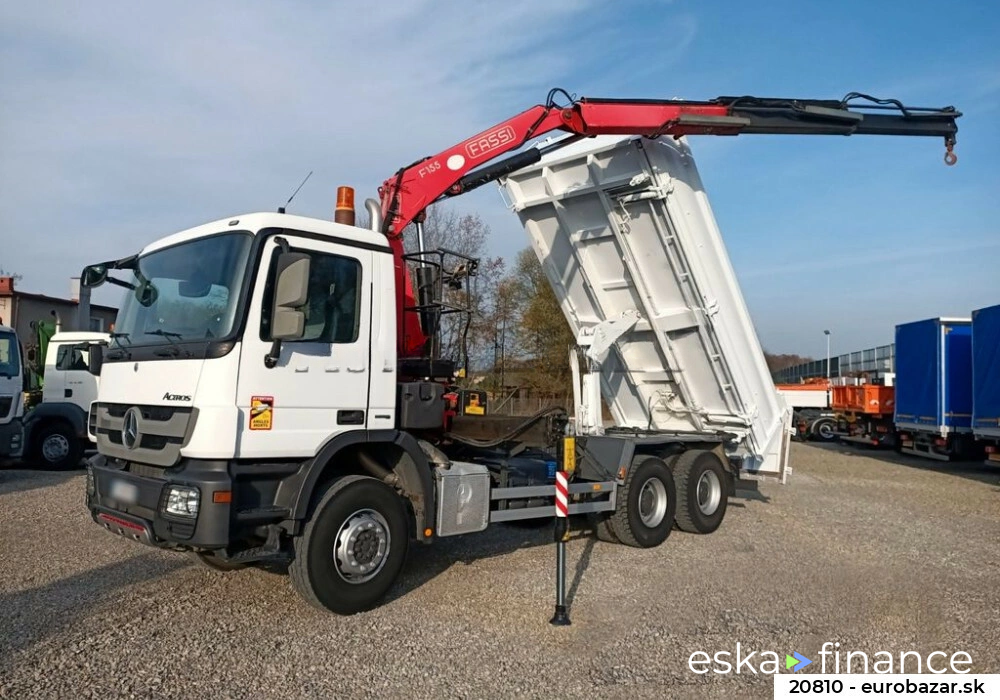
x,y
187,292
10,357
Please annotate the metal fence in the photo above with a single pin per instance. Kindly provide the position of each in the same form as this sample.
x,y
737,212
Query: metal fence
x,y
499,406
872,360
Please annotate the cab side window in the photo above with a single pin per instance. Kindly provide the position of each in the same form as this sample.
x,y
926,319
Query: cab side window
x,y
70,357
333,305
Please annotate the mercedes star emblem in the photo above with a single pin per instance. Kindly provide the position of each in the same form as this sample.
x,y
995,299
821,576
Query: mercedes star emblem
x,y
130,427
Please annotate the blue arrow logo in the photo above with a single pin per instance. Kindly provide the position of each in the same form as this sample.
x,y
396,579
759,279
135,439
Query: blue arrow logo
x,y
796,661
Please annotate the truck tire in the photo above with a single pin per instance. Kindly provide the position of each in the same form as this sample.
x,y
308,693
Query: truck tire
x,y
647,504
822,430
352,548
56,446
701,479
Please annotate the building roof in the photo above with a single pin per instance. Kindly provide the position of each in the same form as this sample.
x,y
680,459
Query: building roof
x,y
7,290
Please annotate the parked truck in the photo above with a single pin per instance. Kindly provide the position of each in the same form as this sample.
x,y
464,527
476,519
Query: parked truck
x,y
933,413
986,381
812,414
11,396
274,390
864,410
56,434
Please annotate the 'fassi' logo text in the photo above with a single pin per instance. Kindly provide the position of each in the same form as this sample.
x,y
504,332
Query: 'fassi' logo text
x,y
491,141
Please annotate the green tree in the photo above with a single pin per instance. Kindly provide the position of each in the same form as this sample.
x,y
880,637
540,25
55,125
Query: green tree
x,y
544,335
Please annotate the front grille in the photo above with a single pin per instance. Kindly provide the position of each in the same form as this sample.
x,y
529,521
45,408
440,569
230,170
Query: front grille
x,y
5,403
157,413
146,470
162,432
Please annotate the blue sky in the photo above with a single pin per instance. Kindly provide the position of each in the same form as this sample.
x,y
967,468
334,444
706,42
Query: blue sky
x,y
125,121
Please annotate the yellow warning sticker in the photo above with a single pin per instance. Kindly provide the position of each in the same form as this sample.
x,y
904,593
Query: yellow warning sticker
x,y
474,407
261,412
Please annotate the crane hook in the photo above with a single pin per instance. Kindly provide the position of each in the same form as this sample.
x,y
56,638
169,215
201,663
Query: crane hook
x,y
949,155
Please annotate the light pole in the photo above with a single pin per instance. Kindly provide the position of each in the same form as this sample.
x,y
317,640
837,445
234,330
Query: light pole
x,y
827,334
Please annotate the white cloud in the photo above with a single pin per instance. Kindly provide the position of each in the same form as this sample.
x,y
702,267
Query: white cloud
x,y
125,121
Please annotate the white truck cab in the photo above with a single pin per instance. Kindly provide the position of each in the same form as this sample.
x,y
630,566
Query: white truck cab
x,y
194,339
56,433
11,395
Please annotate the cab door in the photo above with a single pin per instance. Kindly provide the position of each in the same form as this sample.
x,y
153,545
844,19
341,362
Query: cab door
x,y
69,380
319,385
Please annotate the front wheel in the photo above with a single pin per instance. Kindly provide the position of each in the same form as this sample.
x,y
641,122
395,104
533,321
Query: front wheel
x,y
353,547
648,502
57,447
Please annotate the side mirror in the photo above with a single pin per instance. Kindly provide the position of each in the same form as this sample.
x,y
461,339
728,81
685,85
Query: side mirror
x,y
95,360
291,289
94,275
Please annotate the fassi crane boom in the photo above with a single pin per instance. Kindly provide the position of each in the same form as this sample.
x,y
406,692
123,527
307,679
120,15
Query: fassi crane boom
x,y
406,195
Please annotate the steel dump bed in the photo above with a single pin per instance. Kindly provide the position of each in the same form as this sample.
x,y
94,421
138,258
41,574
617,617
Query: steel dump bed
x,y
623,225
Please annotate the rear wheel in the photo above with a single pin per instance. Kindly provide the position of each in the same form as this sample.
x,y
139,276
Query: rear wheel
x,y
353,547
648,502
822,430
702,494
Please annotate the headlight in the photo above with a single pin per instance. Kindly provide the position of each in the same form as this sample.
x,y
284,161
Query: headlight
x,y
90,481
182,501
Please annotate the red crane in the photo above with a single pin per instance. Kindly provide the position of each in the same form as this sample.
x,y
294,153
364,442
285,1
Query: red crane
x,y
406,195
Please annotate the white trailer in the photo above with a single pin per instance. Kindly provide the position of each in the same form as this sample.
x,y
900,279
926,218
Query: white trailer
x,y
627,239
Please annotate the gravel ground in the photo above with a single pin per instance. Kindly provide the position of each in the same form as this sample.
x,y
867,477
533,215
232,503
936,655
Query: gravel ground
x,y
875,551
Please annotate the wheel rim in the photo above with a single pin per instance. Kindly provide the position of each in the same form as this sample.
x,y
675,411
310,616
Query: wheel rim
x,y
652,502
825,431
709,492
362,546
55,448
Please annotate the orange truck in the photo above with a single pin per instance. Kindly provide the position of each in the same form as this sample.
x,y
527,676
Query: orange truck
x,y
864,413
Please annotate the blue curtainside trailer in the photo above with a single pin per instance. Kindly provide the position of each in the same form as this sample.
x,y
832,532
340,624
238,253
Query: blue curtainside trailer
x,y
933,414
986,380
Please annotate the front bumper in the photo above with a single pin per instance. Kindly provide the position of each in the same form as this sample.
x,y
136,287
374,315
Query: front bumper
x,y
137,508
11,440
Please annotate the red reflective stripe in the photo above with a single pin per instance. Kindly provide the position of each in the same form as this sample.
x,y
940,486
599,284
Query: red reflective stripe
x,y
123,523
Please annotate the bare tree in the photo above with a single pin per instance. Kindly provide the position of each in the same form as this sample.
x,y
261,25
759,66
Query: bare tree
x,y
488,338
463,338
